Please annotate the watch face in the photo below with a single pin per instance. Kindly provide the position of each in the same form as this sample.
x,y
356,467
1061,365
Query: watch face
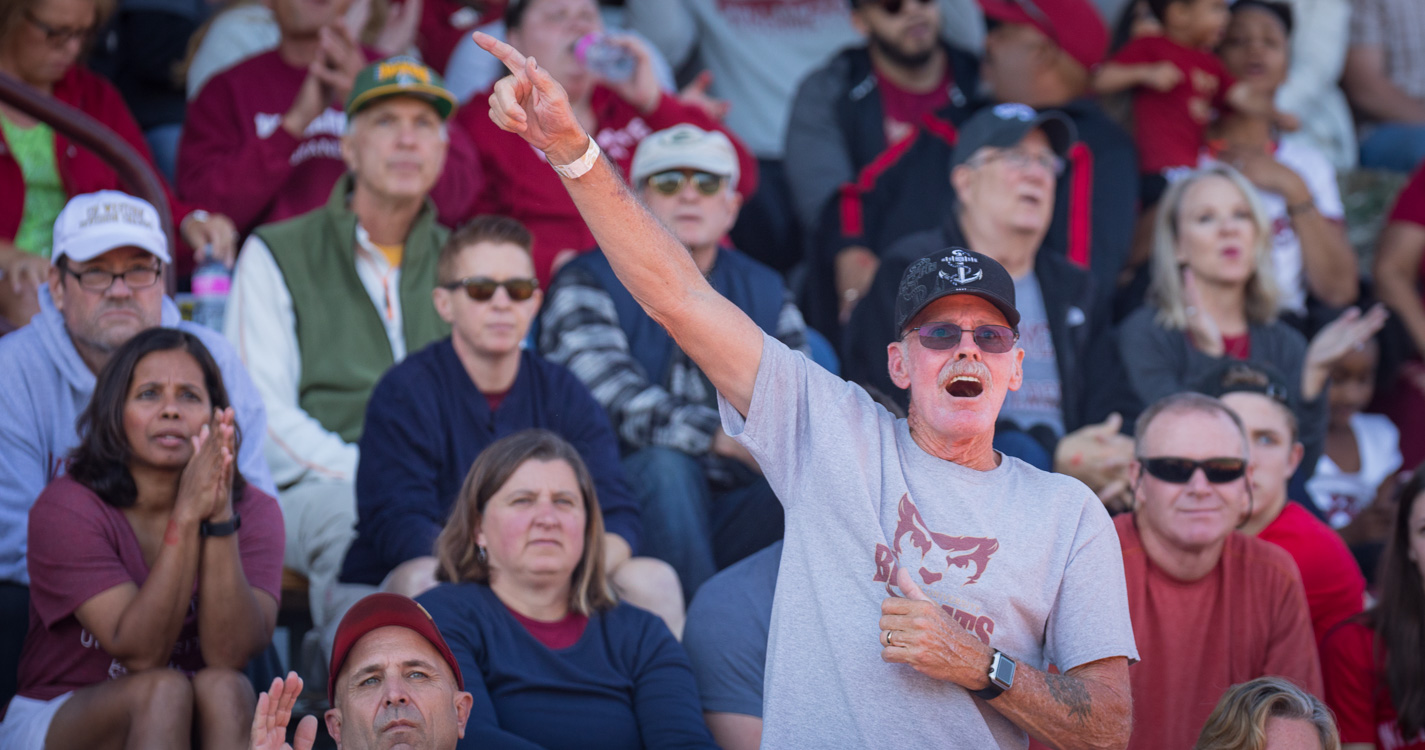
x,y
1002,671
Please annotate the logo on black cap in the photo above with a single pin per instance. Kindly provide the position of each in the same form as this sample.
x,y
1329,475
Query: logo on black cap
x,y
959,259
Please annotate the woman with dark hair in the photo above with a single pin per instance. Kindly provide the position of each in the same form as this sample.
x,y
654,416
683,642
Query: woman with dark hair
x,y
552,659
155,570
1374,667
1310,256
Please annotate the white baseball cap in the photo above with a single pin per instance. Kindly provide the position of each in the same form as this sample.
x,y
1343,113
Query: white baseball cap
x,y
684,147
95,223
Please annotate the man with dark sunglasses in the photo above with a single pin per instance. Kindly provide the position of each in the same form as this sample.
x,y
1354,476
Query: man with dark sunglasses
x,y
324,303
105,286
704,502
926,581
432,415
1212,607
1258,394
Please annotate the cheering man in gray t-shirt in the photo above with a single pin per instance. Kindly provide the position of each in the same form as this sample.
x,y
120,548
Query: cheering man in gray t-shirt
x,y
927,582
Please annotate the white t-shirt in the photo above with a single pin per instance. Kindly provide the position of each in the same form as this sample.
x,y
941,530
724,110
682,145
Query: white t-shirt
x,y
1025,560
1341,495
1320,178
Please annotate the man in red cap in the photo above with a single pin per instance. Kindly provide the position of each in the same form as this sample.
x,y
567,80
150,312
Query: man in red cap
x,y
393,682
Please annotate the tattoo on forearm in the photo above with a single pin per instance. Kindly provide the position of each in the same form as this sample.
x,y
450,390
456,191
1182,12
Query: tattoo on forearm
x,y
1071,693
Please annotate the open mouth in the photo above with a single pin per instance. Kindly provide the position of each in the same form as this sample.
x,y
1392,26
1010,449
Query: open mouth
x,y
964,386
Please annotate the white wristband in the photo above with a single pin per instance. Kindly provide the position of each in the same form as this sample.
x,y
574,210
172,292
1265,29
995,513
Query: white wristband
x,y
580,166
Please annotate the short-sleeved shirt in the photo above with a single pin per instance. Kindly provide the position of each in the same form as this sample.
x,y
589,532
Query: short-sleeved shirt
x,y
1397,28
1335,588
1357,693
726,634
1025,560
1245,619
1170,125
80,547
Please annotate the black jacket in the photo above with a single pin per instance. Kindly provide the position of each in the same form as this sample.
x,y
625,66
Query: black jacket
x,y
1092,379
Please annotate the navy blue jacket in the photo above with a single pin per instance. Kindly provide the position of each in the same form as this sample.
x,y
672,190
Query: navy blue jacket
x,y
624,685
425,425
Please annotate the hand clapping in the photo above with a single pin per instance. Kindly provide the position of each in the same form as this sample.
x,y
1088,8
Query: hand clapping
x,y
205,488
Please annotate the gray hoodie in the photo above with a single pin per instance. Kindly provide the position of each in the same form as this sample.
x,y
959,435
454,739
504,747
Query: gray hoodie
x,y
45,385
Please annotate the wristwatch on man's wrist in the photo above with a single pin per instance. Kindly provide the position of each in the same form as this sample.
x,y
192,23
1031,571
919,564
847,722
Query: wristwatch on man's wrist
x,y
1001,676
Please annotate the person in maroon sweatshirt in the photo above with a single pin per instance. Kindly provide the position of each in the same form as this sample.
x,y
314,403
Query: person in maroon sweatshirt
x,y
40,169
262,138
619,114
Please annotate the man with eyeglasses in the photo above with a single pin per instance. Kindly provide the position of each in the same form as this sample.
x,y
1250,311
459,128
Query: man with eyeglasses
x,y
1258,395
324,303
1004,170
432,415
704,502
105,286
927,581
1211,607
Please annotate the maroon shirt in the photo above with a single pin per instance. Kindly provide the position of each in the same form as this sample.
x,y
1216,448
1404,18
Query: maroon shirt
x,y
1172,125
79,547
903,109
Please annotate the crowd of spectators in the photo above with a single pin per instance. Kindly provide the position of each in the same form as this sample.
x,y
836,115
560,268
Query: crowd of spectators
x,y
431,384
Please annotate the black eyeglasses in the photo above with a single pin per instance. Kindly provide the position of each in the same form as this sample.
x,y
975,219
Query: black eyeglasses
x,y
482,288
99,280
892,7
58,37
991,339
671,183
1180,470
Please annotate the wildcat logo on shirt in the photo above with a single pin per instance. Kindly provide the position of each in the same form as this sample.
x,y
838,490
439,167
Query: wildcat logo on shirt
x,y
944,561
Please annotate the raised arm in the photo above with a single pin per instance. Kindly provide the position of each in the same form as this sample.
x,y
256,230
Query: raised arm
x,y
649,261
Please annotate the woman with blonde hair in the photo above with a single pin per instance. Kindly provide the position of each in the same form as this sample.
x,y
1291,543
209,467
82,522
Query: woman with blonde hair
x,y
1268,712
1213,297
549,655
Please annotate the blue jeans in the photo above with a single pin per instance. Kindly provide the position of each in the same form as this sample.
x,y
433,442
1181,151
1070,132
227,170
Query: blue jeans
x,y
1399,148
692,527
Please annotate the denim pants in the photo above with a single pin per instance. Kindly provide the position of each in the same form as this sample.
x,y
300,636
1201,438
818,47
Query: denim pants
x,y
1398,148
692,527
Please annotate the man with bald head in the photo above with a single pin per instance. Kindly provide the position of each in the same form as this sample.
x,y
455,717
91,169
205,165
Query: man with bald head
x,y
1211,607
926,581
393,682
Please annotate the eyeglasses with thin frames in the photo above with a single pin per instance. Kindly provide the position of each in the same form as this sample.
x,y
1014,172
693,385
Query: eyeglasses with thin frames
x,y
99,280
1020,159
991,339
57,36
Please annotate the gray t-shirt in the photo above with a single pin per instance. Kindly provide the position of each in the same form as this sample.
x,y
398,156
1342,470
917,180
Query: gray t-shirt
x,y
1040,399
726,634
1026,560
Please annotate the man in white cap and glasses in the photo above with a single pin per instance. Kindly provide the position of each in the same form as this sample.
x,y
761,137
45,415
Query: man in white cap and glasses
x,y
105,285
703,500
927,582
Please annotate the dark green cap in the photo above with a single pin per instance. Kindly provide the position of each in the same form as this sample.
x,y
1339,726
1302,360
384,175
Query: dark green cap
x,y
400,76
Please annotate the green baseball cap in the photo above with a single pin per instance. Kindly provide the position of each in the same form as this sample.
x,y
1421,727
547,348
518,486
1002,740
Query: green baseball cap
x,y
400,76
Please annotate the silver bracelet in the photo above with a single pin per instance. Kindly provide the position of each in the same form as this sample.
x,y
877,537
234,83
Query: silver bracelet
x,y
580,166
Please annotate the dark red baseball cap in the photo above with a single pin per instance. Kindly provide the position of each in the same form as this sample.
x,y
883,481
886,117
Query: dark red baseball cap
x,y
1074,25
380,611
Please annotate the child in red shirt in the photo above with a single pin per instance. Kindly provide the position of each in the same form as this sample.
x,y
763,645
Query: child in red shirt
x,y
1178,84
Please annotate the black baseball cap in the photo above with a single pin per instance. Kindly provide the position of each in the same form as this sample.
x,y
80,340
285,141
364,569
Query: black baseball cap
x,y
953,270
1234,376
1005,125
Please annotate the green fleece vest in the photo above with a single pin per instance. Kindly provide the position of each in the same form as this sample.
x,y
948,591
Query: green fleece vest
x,y
343,344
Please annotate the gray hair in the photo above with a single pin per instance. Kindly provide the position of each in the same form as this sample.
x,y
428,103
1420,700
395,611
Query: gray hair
x,y
1166,290
1239,722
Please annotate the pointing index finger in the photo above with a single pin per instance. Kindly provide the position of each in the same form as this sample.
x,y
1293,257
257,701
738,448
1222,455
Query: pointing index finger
x,y
504,52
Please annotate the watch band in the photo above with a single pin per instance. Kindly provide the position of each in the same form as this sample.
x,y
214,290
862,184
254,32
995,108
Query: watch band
x,y
580,166
226,528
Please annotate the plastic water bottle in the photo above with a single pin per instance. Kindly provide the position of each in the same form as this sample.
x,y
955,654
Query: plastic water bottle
x,y
211,283
602,57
